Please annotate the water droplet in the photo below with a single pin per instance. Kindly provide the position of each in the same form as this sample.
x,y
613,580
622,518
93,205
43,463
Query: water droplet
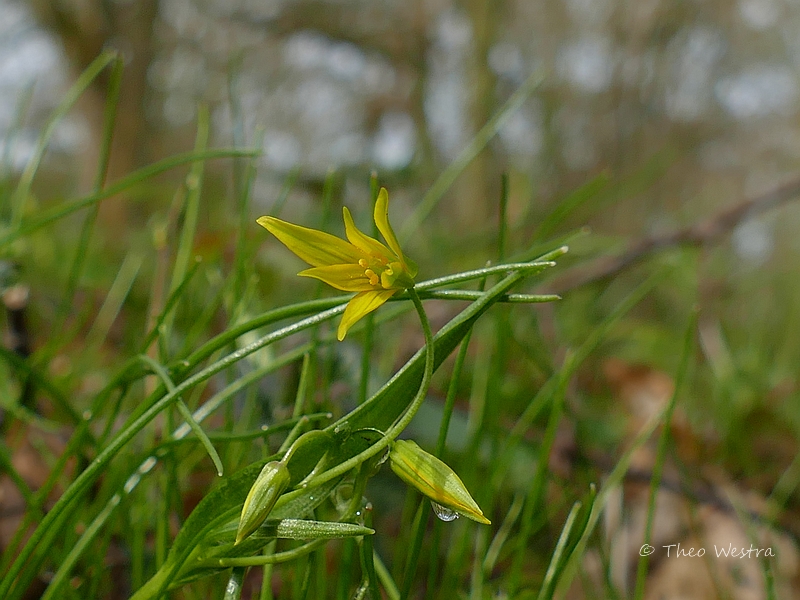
x,y
445,514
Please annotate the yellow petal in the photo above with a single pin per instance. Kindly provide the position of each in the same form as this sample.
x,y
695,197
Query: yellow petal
x,y
362,241
348,278
361,305
317,248
382,221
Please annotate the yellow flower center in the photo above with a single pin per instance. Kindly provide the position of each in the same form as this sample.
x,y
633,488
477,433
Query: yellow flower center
x,y
379,273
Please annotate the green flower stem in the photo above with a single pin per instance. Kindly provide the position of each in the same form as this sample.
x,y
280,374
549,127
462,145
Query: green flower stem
x,y
528,268
405,419
472,295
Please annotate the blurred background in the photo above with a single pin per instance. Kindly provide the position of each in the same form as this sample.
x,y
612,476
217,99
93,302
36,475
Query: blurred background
x,y
706,94
671,129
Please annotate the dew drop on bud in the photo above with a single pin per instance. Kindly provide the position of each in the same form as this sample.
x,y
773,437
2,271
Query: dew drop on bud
x,y
445,514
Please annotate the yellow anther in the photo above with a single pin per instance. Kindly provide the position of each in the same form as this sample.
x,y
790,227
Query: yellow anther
x,y
362,262
373,278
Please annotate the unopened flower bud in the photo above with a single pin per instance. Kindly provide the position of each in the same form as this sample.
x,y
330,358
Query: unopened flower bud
x,y
434,479
270,484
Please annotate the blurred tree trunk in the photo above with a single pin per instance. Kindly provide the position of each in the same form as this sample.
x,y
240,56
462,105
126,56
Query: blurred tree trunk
x,y
85,28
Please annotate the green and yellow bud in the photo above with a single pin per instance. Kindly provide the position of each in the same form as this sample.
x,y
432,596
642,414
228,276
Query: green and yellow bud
x,y
434,479
270,484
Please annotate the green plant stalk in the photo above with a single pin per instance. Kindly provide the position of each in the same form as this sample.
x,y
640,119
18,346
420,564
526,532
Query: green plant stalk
x,y
87,476
661,453
302,386
385,577
233,591
405,419
473,295
246,436
444,427
414,548
266,576
172,300
367,555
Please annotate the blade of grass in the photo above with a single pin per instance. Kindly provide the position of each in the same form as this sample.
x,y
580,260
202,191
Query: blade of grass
x,y
12,133
114,299
185,412
493,553
55,517
104,154
178,436
568,205
22,191
194,186
545,592
448,176
554,390
47,216
613,481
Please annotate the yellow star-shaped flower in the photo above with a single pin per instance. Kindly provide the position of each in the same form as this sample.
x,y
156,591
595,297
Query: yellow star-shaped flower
x,y
362,264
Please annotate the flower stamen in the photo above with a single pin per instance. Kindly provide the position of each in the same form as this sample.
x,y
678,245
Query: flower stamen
x,y
373,278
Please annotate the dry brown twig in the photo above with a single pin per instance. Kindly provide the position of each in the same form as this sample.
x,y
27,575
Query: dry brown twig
x,y
705,233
